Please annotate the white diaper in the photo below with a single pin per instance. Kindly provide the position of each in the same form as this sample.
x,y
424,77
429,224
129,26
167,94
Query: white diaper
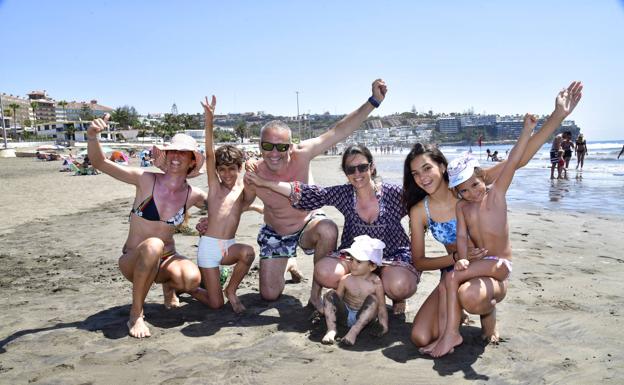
x,y
210,251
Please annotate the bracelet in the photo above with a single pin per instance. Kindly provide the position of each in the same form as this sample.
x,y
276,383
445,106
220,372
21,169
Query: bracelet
x,y
92,139
295,191
376,103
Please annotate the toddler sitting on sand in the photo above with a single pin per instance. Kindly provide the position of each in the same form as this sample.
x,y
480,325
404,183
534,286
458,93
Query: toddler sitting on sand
x,y
359,298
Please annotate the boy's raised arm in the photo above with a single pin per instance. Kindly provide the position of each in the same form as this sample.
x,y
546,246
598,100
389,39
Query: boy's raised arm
x,y
211,168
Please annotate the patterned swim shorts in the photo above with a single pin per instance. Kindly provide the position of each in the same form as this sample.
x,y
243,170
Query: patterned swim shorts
x,y
273,245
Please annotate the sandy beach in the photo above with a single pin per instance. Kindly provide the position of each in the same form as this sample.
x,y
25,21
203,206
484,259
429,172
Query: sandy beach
x,y
65,304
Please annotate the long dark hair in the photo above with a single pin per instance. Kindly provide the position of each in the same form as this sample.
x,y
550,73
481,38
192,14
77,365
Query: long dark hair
x,y
412,194
358,149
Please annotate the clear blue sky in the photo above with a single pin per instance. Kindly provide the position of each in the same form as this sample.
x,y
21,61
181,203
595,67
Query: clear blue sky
x,y
492,56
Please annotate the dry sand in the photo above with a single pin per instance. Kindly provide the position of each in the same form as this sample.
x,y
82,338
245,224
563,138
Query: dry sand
x,y
64,303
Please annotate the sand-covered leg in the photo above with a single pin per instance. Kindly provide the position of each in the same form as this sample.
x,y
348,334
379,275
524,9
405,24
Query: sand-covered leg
x,y
365,315
332,301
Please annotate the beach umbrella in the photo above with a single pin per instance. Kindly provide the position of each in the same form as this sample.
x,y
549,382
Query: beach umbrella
x,y
118,156
50,147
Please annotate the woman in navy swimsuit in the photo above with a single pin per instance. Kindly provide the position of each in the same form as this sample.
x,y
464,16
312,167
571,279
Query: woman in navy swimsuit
x,y
370,208
431,205
160,204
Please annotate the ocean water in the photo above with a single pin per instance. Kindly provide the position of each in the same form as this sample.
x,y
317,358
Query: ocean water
x,y
599,188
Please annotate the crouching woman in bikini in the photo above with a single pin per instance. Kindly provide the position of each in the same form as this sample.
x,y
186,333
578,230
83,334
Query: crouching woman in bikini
x,y
160,204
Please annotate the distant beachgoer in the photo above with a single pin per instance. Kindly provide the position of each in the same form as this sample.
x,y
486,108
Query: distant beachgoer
x,y
485,225
489,154
495,157
431,206
581,151
561,168
161,203
554,156
359,298
621,152
226,202
567,145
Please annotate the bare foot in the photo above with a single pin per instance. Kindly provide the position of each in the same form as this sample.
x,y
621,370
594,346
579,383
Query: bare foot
x,y
446,344
235,302
493,339
465,318
329,338
348,339
138,328
428,348
171,299
398,307
295,274
489,331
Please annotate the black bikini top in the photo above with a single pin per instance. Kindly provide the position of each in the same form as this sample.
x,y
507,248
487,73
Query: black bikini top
x,y
148,210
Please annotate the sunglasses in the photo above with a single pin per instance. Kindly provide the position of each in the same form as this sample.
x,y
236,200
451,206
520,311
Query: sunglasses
x,y
281,147
350,170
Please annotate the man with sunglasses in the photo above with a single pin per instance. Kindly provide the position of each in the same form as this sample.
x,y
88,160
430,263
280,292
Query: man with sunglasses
x,y
286,228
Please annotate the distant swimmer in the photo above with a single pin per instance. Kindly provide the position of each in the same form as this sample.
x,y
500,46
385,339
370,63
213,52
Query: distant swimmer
x,y
581,151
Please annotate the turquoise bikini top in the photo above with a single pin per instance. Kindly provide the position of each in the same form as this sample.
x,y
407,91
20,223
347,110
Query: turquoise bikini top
x,y
443,232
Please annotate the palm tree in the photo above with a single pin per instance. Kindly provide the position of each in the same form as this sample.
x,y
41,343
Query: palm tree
x,y
70,132
241,130
14,107
34,106
63,105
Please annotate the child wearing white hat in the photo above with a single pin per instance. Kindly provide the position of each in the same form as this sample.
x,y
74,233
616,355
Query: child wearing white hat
x,y
359,298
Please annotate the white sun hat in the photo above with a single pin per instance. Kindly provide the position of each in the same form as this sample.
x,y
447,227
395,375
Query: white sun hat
x,y
461,169
179,142
365,248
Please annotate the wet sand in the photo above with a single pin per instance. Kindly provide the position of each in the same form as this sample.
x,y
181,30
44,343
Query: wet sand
x,y
64,303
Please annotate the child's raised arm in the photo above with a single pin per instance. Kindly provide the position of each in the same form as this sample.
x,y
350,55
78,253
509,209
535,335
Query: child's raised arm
x,y
211,168
565,102
515,155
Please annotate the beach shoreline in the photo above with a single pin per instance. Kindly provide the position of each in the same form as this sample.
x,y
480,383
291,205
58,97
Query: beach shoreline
x,y
66,303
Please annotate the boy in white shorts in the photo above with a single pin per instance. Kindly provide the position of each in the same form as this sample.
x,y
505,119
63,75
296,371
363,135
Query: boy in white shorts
x,y
226,201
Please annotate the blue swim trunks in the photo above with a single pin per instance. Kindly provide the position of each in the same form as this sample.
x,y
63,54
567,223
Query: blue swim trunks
x,y
351,315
